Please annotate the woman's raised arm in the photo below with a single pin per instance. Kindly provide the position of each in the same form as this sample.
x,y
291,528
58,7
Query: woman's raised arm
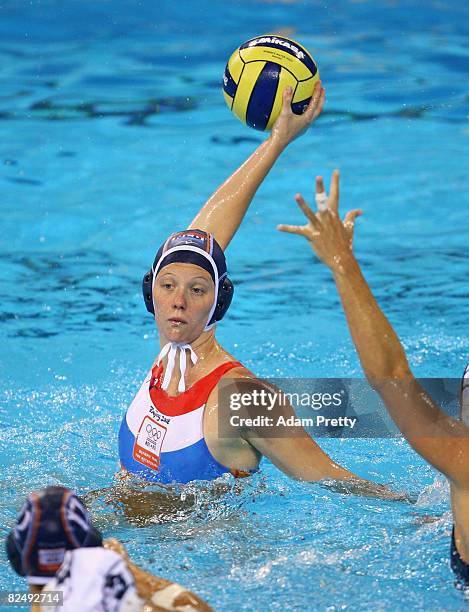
x,y
223,212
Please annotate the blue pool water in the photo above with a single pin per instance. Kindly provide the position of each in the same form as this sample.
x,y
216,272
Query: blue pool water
x,y
114,132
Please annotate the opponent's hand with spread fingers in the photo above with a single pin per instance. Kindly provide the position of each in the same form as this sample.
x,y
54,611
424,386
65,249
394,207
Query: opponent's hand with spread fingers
x,y
330,238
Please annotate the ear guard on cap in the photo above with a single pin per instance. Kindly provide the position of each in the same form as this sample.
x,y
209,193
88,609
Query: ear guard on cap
x,y
13,554
94,539
225,296
147,285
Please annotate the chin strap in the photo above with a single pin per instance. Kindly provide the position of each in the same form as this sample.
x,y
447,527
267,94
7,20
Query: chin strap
x,y
170,350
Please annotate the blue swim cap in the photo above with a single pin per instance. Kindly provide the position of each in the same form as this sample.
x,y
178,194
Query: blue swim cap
x,y
201,249
50,522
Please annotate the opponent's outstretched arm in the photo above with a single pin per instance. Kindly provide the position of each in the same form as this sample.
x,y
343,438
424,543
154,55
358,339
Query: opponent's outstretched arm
x,y
290,447
158,593
223,212
441,440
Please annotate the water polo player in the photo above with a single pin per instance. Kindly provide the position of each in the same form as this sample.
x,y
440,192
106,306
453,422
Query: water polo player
x,y
438,438
56,548
170,431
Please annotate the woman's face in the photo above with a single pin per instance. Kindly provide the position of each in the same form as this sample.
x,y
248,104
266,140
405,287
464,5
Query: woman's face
x,y
183,295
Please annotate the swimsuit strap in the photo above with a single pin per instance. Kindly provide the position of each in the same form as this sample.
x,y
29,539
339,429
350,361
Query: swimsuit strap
x,y
191,399
458,565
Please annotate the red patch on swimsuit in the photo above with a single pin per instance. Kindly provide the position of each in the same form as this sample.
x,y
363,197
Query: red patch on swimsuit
x,y
148,443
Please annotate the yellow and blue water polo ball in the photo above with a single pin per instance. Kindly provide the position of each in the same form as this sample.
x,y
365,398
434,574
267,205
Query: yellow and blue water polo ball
x,y
257,74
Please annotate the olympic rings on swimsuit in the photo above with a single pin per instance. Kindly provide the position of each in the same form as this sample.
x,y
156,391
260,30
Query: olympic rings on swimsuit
x,y
153,431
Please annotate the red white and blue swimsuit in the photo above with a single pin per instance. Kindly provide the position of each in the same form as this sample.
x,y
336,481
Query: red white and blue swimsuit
x,y
161,437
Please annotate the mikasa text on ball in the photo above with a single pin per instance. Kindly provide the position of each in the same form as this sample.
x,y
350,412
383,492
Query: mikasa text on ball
x,y
257,74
